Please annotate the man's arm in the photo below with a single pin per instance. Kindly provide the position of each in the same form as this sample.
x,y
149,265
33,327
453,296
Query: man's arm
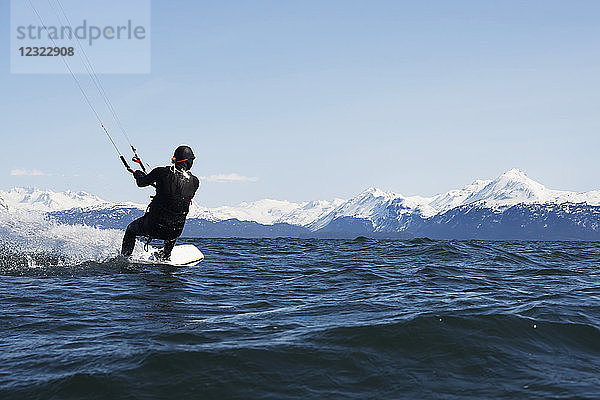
x,y
144,180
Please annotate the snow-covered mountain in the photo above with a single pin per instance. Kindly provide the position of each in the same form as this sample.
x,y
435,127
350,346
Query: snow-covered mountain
x,y
47,200
454,198
265,211
374,205
512,198
511,188
515,187
306,213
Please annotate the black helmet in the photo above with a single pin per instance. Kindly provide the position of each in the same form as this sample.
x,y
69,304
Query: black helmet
x,y
183,153
183,158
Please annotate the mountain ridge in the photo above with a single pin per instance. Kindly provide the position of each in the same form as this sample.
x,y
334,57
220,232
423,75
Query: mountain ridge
x,y
371,212
510,188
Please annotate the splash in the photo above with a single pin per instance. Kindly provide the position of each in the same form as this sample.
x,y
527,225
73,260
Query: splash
x,y
29,239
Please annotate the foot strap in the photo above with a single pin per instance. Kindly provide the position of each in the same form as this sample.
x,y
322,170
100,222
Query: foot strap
x,y
148,240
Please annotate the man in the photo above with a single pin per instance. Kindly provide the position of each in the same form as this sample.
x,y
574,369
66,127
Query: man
x,y
165,216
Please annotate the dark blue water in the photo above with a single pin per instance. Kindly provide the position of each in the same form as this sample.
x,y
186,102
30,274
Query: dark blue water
x,y
308,319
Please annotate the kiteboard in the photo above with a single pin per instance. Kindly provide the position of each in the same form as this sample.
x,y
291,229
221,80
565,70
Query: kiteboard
x,y
184,255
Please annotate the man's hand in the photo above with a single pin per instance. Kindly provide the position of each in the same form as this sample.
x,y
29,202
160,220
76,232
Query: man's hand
x,y
139,174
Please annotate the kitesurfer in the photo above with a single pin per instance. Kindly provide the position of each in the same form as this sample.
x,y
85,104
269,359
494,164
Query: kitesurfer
x,y
165,217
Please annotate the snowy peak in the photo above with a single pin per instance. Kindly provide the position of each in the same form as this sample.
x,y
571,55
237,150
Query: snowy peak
x,y
47,200
377,193
515,187
515,174
510,188
265,211
309,212
454,198
369,204
516,180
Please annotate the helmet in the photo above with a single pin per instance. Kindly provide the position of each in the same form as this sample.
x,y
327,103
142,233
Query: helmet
x,y
183,153
184,157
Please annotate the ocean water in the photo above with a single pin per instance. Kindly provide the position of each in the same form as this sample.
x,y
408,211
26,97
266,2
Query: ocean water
x,y
300,319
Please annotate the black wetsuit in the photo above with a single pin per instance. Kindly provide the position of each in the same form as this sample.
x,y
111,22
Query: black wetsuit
x,y
167,211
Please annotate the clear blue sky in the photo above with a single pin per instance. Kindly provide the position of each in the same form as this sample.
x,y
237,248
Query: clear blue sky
x,y
321,99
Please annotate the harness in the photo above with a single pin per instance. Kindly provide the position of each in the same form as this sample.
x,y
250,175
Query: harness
x,y
155,206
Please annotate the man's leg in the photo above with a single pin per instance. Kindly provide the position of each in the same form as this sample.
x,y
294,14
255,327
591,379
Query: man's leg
x,y
168,248
134,229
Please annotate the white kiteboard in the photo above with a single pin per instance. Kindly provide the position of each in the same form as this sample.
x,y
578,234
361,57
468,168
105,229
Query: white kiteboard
x,y
184,255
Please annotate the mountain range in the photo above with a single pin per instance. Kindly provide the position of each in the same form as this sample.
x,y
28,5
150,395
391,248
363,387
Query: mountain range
x,y
510,207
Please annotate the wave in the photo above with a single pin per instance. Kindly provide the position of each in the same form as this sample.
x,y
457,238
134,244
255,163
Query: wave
x,y
28,241
299,318
462,356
